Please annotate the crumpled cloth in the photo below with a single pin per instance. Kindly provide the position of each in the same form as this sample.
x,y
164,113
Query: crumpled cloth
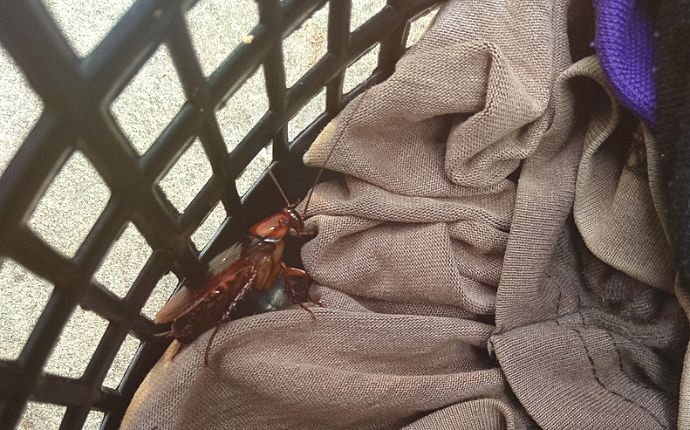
x,y
492,257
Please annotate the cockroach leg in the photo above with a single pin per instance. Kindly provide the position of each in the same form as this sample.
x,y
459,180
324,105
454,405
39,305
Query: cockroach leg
x,y
303,233
290,291
309,311
313,300
306,279
226,316
292,275
174,348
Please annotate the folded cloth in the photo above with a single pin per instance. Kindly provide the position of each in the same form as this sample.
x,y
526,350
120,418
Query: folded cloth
x,y
571,328
459,257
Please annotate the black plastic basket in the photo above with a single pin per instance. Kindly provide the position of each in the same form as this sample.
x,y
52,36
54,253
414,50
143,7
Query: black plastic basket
x,y
76,94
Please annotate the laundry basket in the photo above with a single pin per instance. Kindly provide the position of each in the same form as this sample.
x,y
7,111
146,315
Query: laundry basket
x,y
76,95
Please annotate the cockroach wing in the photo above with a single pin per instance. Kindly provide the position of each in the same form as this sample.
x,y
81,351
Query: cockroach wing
x,y
170,310
219,301
205,313
184,300
181,299
223,260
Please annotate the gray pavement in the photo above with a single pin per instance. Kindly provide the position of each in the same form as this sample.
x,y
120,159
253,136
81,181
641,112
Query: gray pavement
x,y
76,198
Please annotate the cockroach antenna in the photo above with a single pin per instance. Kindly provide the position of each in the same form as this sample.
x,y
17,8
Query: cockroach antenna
x,y
275,181
318,176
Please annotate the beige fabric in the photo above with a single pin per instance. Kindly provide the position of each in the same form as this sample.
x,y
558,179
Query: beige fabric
x,y
365,377
684,402
461,289
488,414
655,178
613,194
566,320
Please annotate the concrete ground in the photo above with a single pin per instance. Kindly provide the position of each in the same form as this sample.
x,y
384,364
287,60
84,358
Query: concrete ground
x,y
77,196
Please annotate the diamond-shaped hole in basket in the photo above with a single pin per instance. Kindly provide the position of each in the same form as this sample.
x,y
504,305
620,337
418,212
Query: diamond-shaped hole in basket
x,y
85,24
77,344
124,261
23,296
254,170
121,362
419,26
243,110
207,17
150,100
361,69
160,295
187,176
93,420
362,10
205,232
70,206
307,115
20,107
41,416
305,47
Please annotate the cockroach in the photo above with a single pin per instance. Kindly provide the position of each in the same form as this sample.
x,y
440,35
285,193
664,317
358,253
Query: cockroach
x,y
254,265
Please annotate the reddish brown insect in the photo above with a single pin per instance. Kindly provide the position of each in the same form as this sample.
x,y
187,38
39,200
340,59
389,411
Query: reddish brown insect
x,y
256,264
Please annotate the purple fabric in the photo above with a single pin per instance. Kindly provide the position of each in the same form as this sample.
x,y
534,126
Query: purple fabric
x,y
625,44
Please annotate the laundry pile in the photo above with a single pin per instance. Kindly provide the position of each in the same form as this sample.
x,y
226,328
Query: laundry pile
x,y
507,246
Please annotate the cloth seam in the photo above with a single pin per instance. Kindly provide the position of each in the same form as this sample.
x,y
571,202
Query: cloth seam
x,y
592,366
620,365
602,385
591,360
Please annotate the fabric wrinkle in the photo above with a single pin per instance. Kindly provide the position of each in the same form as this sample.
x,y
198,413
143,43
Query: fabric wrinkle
x,y
493,254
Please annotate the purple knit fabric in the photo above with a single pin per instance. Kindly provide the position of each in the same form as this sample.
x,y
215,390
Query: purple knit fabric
x,y
625,43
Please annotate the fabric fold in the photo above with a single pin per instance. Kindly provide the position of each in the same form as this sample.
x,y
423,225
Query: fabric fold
x,y
576,334
483,259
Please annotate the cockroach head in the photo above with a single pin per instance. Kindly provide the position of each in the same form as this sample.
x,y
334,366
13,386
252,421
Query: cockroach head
x,y
295,219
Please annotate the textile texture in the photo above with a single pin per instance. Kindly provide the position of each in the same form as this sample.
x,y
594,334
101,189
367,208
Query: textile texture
x,y
673,130
491,258
625,45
